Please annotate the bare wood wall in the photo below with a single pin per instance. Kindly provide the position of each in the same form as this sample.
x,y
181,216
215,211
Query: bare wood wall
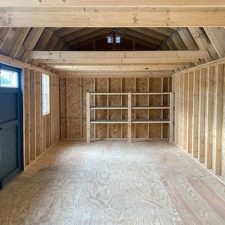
x,y
73,106
41,131
200,114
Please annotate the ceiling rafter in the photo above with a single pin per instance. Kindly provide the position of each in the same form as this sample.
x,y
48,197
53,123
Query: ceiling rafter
x,y
18,42
81,33
101,32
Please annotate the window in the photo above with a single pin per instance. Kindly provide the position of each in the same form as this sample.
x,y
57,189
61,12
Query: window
x,y
45,95
8,78
118,39
109,39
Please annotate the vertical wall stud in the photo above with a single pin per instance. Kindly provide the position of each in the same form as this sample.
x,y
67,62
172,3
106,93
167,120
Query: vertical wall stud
x,y
195,114
129,134
209,115
190,111
171,118
88,117
201,119
218,117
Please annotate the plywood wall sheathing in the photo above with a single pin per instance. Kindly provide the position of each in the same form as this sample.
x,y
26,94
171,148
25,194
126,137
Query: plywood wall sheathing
x,y
73,107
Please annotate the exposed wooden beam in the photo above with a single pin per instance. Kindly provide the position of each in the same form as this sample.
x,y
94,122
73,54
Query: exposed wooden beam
x,y
111,17
44,39
117,74
81,33
29,43
126,57
10,40
110,67
14,62
164,31
139,41
150,33
216,36
187,39
3,35
19,41
112,3
141,36
91,41
76,42
67,31
202,42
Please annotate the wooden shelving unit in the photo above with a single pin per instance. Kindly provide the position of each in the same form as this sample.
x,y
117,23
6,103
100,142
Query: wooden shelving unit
x,y
129,109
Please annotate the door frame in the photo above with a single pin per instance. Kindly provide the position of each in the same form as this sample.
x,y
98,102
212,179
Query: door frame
x,y
20,152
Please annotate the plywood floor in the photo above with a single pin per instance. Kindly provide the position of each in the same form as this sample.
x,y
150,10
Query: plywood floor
x,y
114,183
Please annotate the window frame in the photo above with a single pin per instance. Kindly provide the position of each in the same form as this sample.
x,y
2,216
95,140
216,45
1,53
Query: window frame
x,y
110,37
12,69
119,38
45,91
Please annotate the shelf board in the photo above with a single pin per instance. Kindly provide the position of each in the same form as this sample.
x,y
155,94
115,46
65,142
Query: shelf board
x,y
151,107
149,93
108,107
109,121
104,93
151,121
125,107
132,93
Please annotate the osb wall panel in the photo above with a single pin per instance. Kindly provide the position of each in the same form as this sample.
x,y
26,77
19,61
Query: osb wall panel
x,y
88,85
200,115
40,132
115,130
101,85
140,129
63,109
128,85
73,107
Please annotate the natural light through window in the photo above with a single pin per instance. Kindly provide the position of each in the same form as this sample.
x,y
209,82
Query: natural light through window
x,y
8,79
45,95
109,39
117,39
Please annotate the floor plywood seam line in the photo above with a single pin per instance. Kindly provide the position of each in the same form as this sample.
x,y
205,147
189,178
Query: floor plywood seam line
x,y
113,183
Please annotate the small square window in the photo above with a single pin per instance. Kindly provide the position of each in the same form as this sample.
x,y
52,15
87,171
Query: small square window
x,y
110,40
8,78
45,95
118,40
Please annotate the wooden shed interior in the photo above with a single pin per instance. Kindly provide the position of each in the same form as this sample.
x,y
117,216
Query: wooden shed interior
x,y
117,112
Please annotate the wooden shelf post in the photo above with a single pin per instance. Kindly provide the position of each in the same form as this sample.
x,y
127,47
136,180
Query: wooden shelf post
x,y
171,119
88,117
129,134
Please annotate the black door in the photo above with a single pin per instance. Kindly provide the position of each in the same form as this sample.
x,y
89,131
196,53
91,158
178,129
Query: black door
x,y
11,160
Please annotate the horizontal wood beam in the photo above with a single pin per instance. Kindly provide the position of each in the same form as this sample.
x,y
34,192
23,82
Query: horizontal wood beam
x,y
112,3
111,17
14,62
116,54
147,67
117,57
118,74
